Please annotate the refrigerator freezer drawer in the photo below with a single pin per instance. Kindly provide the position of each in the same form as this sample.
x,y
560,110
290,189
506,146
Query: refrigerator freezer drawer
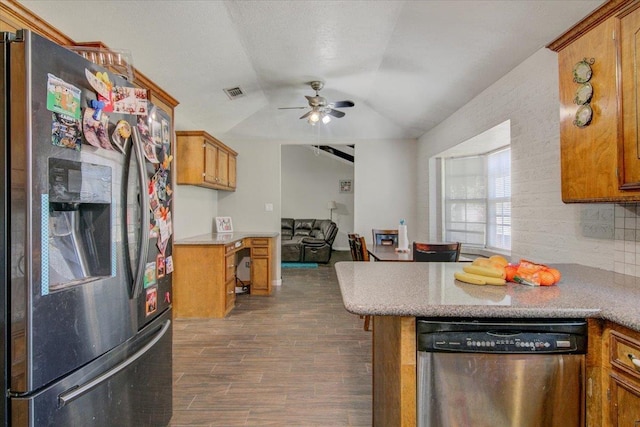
x,y
130,386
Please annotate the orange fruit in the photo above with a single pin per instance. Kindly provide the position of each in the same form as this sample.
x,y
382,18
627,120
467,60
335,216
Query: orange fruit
x,y
510,271
546,278
556,274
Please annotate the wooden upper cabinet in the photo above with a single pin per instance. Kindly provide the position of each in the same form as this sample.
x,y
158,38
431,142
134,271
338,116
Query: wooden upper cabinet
x,y
589,154
204,161
600,162
628,25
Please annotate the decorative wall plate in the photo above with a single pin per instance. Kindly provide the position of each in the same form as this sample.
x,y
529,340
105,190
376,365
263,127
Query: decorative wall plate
x,y
582,71
583,116
583,94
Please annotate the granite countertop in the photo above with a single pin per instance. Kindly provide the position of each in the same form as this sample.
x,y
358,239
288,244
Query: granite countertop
x,y
429,289
222,238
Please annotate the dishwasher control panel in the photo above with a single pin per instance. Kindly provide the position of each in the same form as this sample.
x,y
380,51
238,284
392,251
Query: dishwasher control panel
x,y
487,342
502,335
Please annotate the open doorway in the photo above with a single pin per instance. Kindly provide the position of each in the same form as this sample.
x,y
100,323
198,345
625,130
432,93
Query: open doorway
x,y
312,178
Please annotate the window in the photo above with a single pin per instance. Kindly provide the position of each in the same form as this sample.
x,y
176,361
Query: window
x,y
477,199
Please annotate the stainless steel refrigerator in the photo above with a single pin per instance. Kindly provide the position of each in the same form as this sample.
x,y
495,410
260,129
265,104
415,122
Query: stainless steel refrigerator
x,y
86,242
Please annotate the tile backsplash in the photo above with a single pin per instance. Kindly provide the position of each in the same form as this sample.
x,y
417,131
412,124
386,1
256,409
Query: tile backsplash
x,y
627,239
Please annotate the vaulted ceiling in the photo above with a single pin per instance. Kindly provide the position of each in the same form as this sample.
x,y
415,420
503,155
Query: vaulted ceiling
x,y
407,65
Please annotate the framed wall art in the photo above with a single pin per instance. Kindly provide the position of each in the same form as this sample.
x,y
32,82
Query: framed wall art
x,y
223,224
346,186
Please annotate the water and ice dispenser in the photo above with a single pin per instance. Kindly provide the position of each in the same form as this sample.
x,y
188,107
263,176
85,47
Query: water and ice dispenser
x,y
80,222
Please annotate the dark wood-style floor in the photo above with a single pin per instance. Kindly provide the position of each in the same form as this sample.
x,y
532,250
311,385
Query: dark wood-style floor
x,y
296,358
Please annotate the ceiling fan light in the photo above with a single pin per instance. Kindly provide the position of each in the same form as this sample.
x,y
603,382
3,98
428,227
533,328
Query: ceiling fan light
x,y
314,117
326,119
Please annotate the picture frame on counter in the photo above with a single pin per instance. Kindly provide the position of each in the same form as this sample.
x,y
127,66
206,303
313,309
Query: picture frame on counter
x,y
224,224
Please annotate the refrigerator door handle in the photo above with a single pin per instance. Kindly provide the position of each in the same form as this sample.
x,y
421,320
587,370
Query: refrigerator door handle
x,y
75,392
143,250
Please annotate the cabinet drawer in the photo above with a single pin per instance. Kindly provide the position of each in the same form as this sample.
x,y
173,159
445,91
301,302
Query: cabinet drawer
x,y
624,352
259,242
230,264
230,299
260,251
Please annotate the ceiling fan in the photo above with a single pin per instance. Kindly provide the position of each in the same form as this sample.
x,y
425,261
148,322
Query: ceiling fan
x,y
321,109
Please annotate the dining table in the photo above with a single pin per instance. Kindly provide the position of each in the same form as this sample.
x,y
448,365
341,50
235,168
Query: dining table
x,y
390,253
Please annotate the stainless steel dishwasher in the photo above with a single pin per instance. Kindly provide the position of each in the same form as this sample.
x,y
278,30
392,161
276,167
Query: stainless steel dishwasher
x,y
501,372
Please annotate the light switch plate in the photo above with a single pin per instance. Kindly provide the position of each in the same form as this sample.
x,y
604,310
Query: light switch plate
x,y
268,207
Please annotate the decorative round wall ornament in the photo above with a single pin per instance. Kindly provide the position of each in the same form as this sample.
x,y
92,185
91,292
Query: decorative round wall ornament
x,y
583,116
582,70
583,94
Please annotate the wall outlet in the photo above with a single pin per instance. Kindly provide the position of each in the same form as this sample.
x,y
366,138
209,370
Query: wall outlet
x,y
268,207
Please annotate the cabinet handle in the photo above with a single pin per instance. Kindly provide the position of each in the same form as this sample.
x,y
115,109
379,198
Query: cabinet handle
x,y
636,363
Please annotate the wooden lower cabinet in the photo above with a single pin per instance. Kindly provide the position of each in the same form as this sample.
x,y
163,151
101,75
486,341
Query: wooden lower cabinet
x,y
625,402
613,381
261,258
201,284
204,276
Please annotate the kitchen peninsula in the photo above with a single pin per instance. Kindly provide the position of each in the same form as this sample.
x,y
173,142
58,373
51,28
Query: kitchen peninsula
x,y
396,293
205,271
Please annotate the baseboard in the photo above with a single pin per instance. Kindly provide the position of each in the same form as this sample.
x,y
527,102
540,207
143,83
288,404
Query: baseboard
x,y
341,249
277,282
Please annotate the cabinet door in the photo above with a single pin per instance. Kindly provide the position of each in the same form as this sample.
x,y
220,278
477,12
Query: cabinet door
x,y
223,167
232,171
259,274
629,64
589,154
625,403
210,162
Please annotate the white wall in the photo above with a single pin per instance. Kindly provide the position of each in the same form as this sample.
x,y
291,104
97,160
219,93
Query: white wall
x,y
193,210
309,181
544,229
385,186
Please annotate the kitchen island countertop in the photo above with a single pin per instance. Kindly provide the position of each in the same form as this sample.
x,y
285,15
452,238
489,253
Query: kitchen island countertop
x,y
430,290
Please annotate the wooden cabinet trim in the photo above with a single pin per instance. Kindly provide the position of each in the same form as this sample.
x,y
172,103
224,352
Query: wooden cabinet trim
x,y
598,16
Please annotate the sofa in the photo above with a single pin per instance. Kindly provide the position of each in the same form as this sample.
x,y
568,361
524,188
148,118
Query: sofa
x,y
307,240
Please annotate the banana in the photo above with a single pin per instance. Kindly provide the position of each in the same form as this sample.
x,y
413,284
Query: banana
x,y
487,279
468,278
482,261
484,271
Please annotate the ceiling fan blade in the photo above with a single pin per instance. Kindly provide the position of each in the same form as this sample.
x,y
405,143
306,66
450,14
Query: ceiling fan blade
x,y
335,113
306,115
292,108
342,104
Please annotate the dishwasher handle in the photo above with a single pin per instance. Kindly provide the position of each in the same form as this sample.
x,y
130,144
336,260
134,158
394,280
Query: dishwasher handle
x,y
504,334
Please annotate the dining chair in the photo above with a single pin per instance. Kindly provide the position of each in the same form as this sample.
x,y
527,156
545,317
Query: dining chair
x,y
385,237
436,252
359,252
